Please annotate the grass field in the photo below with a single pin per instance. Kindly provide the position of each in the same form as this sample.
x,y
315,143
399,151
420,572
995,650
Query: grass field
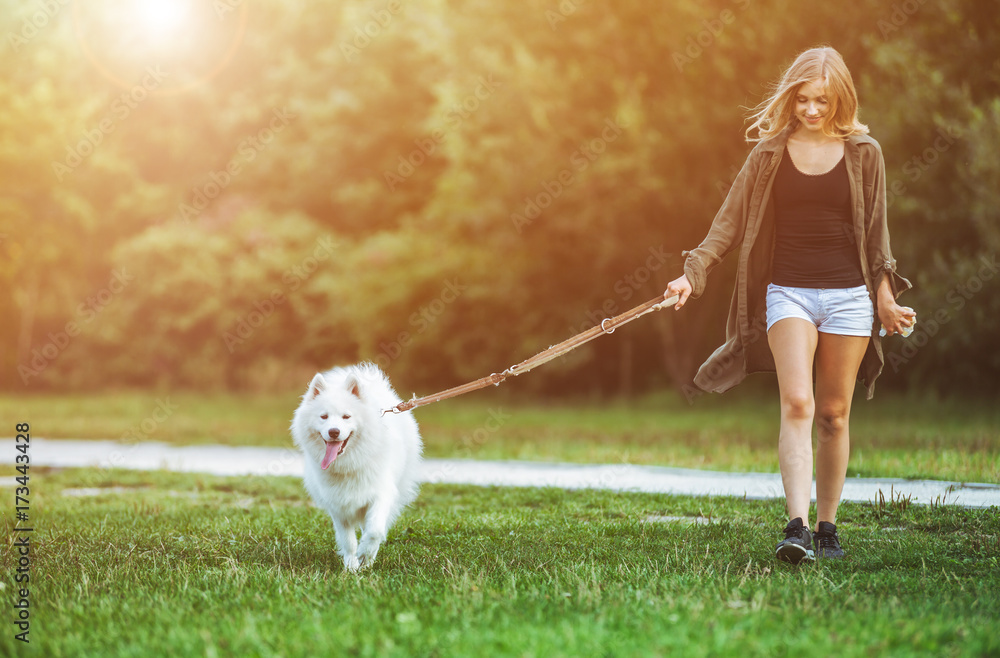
x,y
165,564
162,564
891,437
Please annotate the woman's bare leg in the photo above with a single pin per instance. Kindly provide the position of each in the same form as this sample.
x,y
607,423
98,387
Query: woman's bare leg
x,y
837,361
793,343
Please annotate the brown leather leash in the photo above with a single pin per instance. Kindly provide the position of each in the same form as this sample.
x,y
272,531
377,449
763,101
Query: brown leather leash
x,y
607,326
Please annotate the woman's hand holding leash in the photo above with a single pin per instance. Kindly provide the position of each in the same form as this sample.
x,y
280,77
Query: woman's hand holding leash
x,y
680,287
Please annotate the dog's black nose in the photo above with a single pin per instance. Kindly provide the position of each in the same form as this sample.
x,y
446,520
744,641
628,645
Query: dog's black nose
x,y
334,433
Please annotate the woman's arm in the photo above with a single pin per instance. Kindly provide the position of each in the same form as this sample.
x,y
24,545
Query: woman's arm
x,y
726,232
882,265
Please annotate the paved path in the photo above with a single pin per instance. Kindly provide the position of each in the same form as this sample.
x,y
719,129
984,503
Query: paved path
x,y
227,460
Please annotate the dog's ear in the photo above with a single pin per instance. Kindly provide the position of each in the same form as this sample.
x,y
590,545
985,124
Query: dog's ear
x,y
316,386
354,386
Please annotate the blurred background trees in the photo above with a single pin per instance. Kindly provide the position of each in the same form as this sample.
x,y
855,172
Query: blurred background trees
x,y
232,195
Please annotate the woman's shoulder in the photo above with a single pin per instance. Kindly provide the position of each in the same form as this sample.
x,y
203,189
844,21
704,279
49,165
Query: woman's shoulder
x,y
862,140
762,151
772,143
867,150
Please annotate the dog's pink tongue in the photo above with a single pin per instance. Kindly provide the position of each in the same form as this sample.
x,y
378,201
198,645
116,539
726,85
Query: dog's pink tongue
x,y
332,450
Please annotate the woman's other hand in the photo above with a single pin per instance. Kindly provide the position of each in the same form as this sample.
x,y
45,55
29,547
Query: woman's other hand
x,y
895,318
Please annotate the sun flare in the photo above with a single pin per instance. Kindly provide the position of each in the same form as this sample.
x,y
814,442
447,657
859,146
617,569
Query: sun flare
x,y
158,18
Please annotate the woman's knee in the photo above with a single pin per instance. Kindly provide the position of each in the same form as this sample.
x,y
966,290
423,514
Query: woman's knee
x,y
798,405
833,418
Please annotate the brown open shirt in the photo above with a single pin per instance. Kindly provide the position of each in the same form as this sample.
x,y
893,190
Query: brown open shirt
x,y
747,217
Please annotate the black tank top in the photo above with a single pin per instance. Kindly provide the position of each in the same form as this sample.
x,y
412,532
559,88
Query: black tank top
x,y
814,233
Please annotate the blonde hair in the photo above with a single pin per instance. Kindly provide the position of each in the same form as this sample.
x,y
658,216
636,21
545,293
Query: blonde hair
x,y
777,111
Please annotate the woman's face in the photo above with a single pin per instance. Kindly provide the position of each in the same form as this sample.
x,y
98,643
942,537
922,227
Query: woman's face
x,y
812,107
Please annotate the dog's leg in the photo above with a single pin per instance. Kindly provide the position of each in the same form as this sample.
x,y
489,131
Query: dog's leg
x,y
374,530
347,544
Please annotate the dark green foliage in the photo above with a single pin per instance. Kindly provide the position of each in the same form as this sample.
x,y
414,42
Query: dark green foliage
x,y
420,151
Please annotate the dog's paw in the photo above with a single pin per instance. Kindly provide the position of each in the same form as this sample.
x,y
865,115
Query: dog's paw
x,y
366,559
367,553
352,563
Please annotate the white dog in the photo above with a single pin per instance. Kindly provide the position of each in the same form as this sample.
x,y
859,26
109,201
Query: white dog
x,y
363,468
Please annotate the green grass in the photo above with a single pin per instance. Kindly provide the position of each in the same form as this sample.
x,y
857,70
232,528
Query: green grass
x,y
891,436
191,565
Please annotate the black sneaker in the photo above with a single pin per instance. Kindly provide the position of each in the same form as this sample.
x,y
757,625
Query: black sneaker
x,y
797,545
827,542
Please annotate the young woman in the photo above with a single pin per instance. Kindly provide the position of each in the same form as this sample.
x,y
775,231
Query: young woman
x,y
808,208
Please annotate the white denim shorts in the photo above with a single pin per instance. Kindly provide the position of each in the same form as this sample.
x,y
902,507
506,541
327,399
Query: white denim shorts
x,y
844,311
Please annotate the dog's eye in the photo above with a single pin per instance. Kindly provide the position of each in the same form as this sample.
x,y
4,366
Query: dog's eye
x,y
347,416
325,416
